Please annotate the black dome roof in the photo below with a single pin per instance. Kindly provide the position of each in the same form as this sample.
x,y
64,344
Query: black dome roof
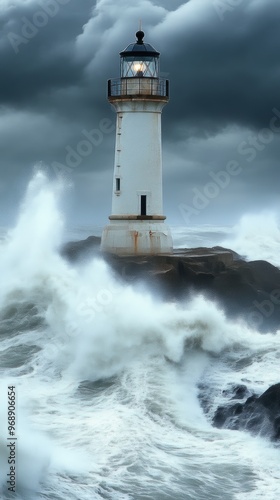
x,y
140,48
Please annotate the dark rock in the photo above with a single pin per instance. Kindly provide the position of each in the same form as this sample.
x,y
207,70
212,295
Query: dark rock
x,y
259,415
261,274
76,250
226,416
270,399
237,392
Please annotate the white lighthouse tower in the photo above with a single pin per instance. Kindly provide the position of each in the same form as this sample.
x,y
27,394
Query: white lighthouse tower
x,y
137,224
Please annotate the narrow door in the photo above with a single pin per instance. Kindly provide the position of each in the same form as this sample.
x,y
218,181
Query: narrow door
x,y
143,204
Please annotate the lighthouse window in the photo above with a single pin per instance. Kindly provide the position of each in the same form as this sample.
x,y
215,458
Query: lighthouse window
x,y
118,184
135,66
143,205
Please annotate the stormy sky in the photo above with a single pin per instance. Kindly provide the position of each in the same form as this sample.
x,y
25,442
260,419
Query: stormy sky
x,y
221,128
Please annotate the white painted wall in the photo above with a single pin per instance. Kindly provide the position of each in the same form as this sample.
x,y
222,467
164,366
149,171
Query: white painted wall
x,y
138,165
138,157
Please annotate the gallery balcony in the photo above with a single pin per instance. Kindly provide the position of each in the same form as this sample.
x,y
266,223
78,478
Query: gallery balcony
x,y
157,88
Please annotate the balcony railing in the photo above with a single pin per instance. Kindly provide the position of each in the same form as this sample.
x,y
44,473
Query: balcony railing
x,y
126,87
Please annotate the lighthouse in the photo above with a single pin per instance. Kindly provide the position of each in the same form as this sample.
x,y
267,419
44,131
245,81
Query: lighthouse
x,y
137,224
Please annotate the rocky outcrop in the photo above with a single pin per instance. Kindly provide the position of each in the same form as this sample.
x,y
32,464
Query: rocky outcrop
x,y
75,250
258,415
250,290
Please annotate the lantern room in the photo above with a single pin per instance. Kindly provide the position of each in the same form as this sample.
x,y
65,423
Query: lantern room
x,y
139,59
139,73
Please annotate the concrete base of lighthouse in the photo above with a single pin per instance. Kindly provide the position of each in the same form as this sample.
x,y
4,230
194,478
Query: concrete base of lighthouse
x,y
136,237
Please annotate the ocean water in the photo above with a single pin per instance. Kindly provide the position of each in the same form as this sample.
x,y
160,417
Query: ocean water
x,y
109,381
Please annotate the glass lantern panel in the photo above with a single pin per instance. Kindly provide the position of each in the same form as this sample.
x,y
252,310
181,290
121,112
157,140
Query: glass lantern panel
x,y
137,67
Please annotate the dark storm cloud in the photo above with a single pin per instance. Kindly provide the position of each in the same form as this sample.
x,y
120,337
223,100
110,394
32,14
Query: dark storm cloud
x,y
221,56
37,48
225,71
